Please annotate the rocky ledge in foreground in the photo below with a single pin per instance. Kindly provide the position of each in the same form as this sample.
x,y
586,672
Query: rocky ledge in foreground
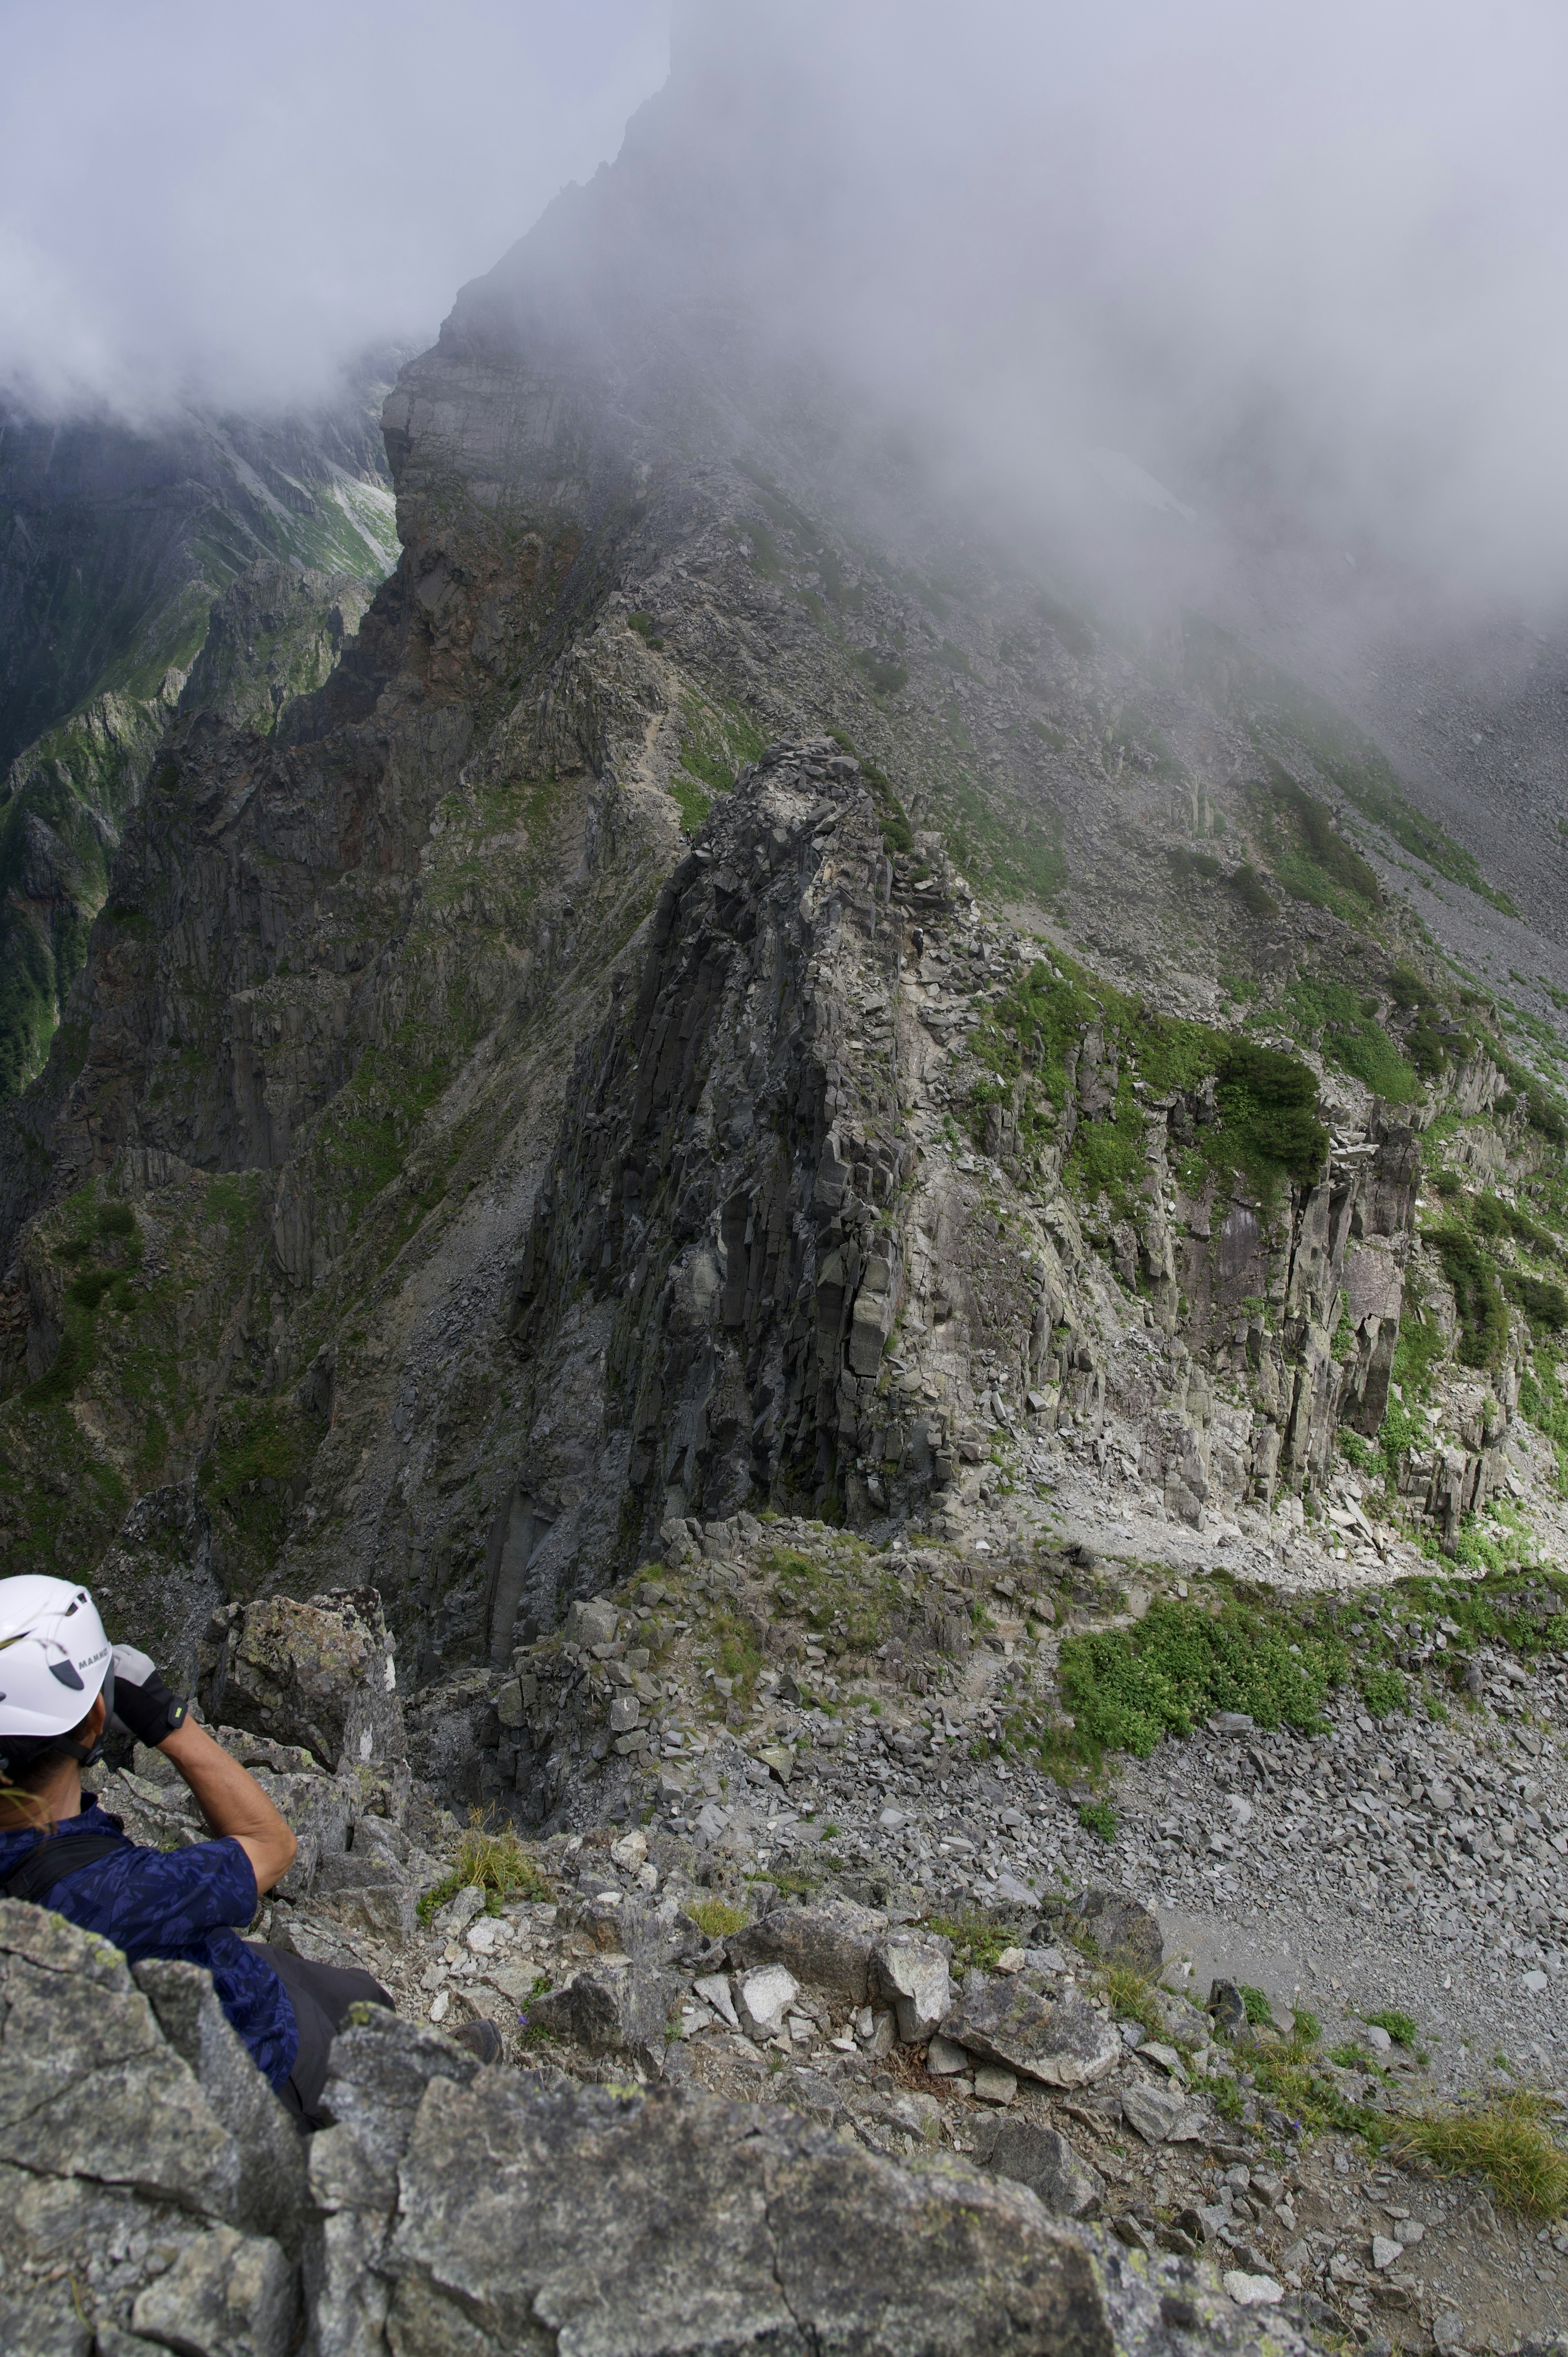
x,y
158,2199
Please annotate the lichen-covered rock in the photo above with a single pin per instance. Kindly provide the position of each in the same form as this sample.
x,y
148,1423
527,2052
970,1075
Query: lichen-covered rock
x,y
610,2009
321,1674
227,2295
89,2086
1063,2043
1039,2157
674,2222
272,2196
829,1949
1110,1925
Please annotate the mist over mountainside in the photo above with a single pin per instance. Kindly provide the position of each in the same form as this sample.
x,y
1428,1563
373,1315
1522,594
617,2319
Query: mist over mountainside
x,y
929,1047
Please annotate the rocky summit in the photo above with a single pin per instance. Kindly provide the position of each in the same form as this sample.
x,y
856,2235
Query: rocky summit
x,y
824,1297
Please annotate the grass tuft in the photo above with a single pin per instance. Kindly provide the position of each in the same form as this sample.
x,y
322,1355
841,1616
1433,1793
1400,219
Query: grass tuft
x,y
716,1919
1505,2143
1401,2027
976,1940
1131,1996
496,1864
1099,1817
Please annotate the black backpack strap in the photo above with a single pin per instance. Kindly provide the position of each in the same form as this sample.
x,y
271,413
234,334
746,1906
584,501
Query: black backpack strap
x,y
53,1860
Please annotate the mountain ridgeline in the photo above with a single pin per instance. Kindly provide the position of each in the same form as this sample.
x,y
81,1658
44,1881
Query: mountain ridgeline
x,y
710,989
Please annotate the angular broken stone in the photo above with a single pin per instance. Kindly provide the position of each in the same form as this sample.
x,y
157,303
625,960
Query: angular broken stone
x,y
1063,2044
763,1997
518,2209
1157,2112
944,2060
319,1673
713,1989
226,2291
1041,2158
827,1948
1252,2291
1118,1929
912,1974
609,2009
995,2086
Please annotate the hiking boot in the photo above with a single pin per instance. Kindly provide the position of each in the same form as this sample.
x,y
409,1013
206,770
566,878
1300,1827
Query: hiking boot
x,y
481,2039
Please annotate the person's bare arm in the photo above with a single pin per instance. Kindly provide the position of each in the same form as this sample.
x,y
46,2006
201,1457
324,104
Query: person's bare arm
x,y
232,1800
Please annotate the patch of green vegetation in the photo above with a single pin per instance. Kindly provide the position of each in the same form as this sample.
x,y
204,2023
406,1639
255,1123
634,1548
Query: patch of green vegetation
x,y
1277,1660
693,803
1383,1690
1188,863
1544,1400
1257,2003
1267,1127
1505,2142
1477,1298
1253,892
717,739
1126,1688
716,1919
850,1609
1402,2028
1299,721
1097,1817
1310,857
1329,1016
647,630
255,1470
976,1939
495,1863
884,673
1132,1997
739,1655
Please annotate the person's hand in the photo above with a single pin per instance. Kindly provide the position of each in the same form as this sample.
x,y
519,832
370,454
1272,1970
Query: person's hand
x,y
143,1703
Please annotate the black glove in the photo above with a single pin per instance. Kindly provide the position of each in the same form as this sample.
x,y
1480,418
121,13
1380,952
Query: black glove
x,y
143,1703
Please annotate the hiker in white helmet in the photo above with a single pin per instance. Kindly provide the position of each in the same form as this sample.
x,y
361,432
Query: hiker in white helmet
x,y
59,1683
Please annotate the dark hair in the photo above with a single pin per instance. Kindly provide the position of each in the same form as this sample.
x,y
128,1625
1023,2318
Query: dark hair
x,y
27,1761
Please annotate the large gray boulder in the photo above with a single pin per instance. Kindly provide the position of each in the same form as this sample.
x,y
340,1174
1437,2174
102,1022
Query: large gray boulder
x,y
450,2207
1063,2042
88,2085
610,2009
494,2214
828,1949
272,2196
321,1674
134,2126
1039,2157
1118,1929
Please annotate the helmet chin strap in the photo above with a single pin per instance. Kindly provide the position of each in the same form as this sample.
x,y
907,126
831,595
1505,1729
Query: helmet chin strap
x,y
89,1755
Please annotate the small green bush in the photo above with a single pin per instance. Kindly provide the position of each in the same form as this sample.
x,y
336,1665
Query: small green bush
x,y
1097,1817
496,1864
716,1919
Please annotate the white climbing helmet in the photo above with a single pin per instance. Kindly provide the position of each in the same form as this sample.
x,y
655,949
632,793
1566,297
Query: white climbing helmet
x,y
54,1655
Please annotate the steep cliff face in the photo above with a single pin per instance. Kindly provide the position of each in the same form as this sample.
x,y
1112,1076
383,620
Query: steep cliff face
x,y
114,546
540,1084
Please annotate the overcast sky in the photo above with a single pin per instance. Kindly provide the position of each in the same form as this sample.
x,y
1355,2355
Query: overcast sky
x,y
1321,252
202,197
